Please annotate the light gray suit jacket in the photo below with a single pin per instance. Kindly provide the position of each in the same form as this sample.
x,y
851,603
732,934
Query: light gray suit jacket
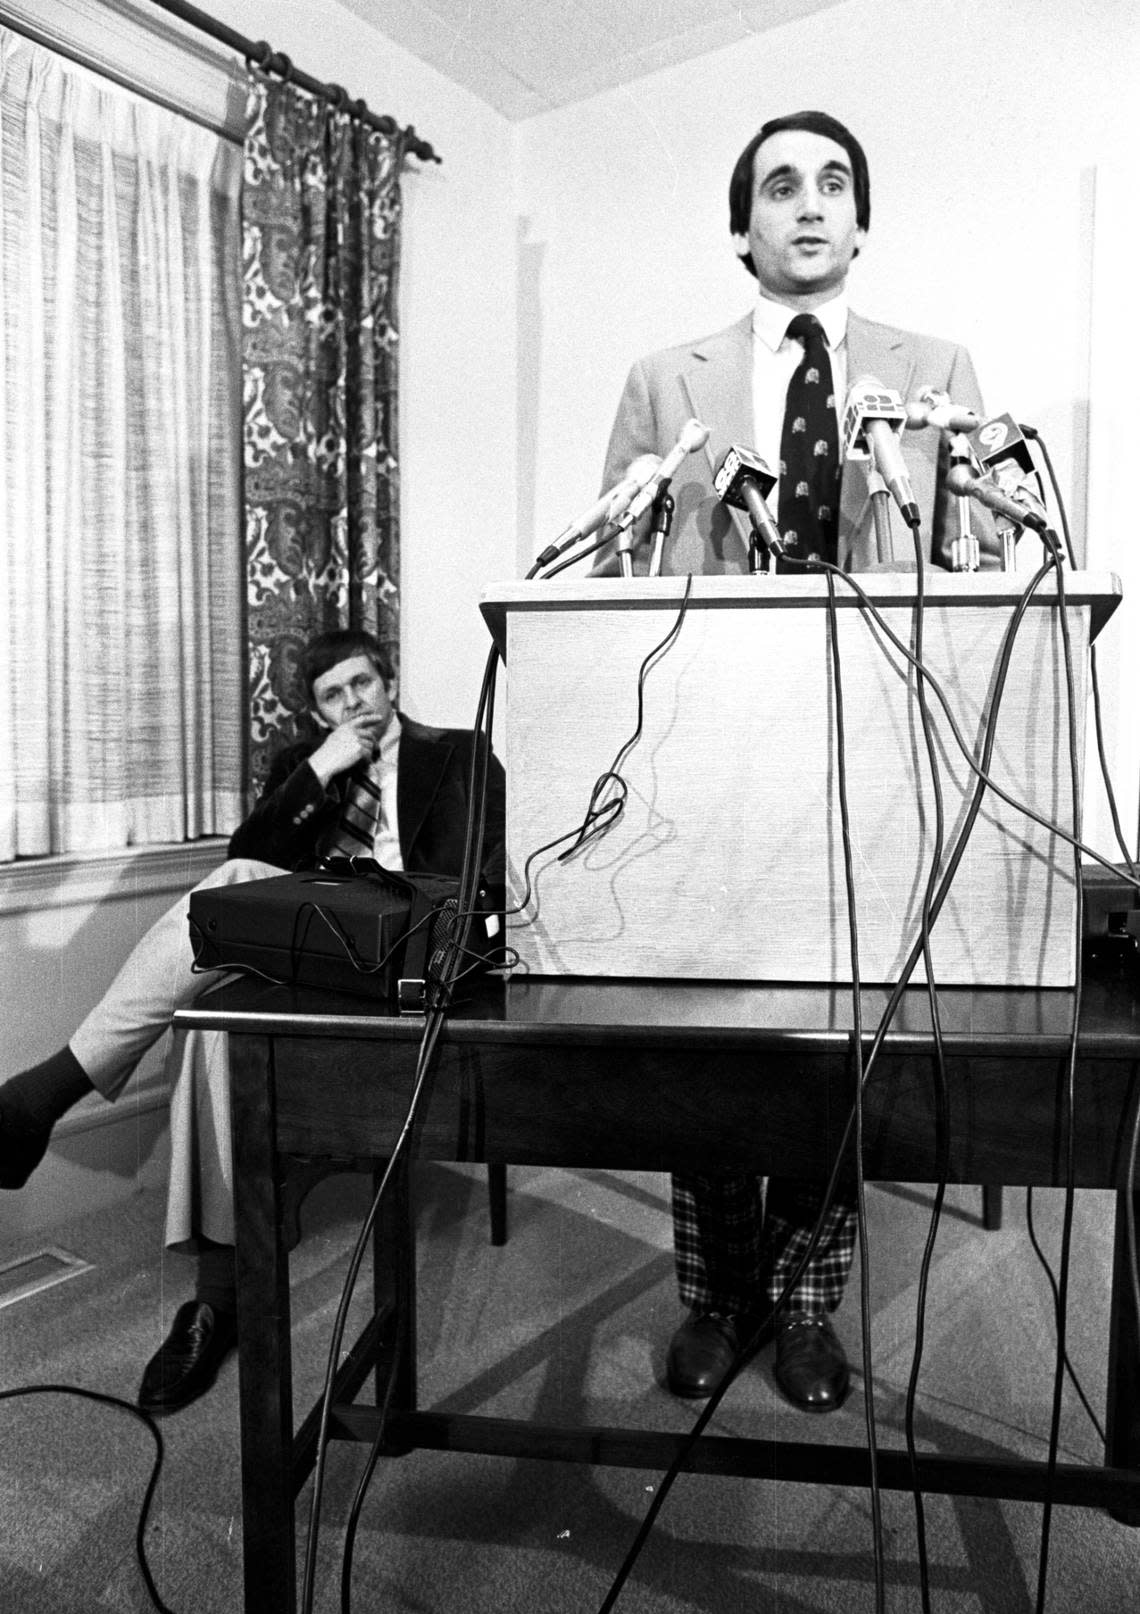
x,y
711,379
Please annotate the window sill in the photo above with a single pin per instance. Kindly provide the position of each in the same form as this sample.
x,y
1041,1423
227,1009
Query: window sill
x,y
86,877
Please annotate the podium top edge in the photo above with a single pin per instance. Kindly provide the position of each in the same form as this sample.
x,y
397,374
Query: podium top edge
x,y
1100,590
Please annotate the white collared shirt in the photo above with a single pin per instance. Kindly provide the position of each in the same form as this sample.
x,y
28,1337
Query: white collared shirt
x,y
774,362
386,846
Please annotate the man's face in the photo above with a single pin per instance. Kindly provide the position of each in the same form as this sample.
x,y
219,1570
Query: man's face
x,y
353,688
802,232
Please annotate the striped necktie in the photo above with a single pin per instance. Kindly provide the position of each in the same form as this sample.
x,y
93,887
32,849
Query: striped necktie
x,y
360,817
809,450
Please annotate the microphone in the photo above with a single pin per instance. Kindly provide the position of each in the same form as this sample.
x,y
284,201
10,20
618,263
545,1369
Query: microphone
x,y
1003,450
873,421
606,508
693,436
934,408
660,527
743,481
1001,444
959,480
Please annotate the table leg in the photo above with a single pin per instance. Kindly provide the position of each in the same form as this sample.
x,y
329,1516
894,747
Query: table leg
x,y
265,1376
1123,1411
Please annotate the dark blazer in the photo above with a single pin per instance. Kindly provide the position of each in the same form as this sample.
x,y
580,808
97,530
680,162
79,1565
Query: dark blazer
x,y
294,812
711,379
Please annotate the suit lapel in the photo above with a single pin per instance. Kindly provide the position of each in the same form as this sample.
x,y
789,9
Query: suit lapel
x,y
419,772
717,381
872,350
878,351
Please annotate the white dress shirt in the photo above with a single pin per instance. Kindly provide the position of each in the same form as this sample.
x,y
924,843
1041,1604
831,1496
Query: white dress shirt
x,y
386,846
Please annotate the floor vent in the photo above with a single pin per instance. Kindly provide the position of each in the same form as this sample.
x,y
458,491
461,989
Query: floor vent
x,y
32,1273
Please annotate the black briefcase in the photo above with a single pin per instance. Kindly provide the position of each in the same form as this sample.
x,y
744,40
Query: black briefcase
x,y
351,927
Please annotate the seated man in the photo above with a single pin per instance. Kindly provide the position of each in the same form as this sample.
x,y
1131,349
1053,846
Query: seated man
x,y
371,782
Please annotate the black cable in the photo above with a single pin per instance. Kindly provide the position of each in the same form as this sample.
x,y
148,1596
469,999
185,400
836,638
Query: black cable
x,y
373,1458
1098,717
929,913
449,975
1052,561
890,1009
1130,1209
432,1029
599,543
156,1468
590,827
1035,436
600,816
1069,1108
857,1054
743,1356
1048,1270
941,1091
991,784
433,1026
1098,724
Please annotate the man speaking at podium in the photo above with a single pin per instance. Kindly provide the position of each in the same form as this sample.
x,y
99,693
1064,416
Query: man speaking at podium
x,y
774,383
799,211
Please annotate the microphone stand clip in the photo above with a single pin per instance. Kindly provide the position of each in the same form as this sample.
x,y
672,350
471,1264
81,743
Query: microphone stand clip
x,y
965,551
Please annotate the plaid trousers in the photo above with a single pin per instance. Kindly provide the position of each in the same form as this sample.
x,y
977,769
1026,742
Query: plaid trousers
x,y
736,1246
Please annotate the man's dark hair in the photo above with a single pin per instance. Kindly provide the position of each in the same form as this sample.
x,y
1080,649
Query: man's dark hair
x,y
820,123
328,649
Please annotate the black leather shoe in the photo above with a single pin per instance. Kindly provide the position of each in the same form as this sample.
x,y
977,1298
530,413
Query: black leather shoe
x,y
20,1152
811,1367
700,1354
187,1362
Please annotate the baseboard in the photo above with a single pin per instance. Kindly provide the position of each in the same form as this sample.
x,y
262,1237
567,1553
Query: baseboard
x,y
101,1155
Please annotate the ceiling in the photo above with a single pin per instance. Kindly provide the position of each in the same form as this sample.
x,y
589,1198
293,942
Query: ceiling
x,y
524,57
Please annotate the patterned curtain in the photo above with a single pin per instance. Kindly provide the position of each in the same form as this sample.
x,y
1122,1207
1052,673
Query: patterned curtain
x,y
321,224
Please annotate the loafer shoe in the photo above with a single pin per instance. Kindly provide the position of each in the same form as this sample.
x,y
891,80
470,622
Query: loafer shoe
x,y
187,1362
21,1150
811,1367
700,1354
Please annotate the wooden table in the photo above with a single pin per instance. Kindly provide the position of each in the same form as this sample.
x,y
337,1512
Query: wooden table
x,y
649,1076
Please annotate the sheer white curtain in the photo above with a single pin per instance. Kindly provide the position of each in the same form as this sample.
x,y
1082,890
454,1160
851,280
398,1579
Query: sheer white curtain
x,y
120,555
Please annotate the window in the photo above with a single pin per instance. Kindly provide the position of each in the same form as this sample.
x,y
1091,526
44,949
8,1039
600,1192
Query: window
x,y
121,645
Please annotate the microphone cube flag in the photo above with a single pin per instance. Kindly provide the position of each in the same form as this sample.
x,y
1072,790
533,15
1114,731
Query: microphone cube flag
x,y
1001,440
726,473
868,403
737,464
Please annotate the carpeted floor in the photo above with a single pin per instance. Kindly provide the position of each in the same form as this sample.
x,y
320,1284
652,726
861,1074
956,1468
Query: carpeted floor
x,y
568,1321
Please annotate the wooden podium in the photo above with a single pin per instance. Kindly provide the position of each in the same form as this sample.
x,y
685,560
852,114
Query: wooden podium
x,y
727,862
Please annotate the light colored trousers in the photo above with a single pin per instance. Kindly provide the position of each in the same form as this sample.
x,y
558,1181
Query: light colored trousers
x,y
157,978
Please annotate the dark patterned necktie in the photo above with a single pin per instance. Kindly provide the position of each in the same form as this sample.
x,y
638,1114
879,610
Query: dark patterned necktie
x,y
360,818
809,450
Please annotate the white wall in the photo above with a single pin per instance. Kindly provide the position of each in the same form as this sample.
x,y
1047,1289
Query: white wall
x,y
983,126
457,325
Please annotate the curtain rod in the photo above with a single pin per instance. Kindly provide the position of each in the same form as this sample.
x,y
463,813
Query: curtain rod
x,y
268,60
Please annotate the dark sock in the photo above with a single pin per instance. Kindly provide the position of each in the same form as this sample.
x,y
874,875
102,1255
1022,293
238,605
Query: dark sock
x,y
217,1278
30,1105
34,1100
